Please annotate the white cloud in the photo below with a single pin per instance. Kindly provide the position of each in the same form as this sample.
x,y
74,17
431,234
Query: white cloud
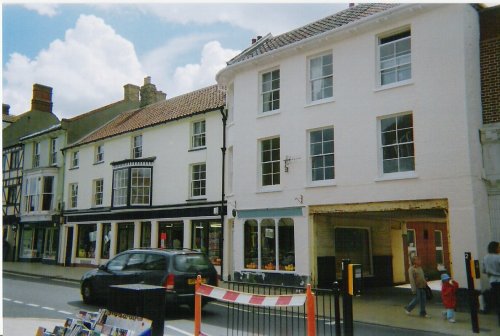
x,y
260,18
86,70
43,9
194,76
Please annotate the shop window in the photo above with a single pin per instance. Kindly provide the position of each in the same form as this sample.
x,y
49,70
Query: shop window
x,y
353,244
206,238
27,242
170,235
125,237
106,240
145,234
87,235
51,243
270,244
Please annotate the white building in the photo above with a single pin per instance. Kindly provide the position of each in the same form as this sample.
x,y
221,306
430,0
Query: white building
x,y
149,178
356,137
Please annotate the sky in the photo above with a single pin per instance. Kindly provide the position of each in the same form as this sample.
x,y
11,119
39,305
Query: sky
x,y
88,51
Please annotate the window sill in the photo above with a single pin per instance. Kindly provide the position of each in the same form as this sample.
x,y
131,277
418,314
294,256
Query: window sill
x,y
74,168
319,102
270,189
318,184
397,176
268,114
193,199
98,163
197,149
394,85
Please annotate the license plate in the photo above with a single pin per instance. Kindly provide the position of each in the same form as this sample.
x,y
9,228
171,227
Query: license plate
x,y
193,281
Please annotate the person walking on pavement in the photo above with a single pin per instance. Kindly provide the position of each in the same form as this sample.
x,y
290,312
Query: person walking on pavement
x,y
418,285
491,266
449,296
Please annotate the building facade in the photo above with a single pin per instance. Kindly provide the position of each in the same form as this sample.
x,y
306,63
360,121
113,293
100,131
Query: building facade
x,y
356,137
149,178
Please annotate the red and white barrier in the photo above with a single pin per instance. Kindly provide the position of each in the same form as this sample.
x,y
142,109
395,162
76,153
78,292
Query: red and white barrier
x,y
226,295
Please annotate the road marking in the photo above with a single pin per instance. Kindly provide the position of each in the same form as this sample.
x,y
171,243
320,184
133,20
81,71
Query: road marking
x,y
64,312
48,308
23,275
32,305
20,302
6,299
180,331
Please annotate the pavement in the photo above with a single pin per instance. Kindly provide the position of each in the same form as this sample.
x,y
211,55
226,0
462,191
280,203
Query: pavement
x,y
380,306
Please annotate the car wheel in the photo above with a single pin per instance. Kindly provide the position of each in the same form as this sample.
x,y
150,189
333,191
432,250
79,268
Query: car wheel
x,y
87,293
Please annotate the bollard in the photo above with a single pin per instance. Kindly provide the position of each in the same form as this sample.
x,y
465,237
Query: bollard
x,y
347,300
336,299
469,267
197,307
311,315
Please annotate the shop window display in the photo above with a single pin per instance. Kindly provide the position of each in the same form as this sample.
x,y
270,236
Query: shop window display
x,y
87,235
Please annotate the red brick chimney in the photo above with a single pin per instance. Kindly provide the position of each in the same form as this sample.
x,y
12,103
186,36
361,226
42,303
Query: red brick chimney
x,y
42,98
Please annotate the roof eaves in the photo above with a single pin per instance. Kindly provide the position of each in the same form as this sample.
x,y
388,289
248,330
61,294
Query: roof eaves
x,y
313,38
42,132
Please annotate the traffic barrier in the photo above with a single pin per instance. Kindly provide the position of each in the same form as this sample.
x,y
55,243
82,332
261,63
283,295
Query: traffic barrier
x,y
232,296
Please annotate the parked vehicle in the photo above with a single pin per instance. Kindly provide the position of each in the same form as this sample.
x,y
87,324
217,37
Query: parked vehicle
x,y
176,270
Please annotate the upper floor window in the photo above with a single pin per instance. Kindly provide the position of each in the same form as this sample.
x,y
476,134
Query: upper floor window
x,y
98,192
14,162
137,180
395,58
73,195
322,154
270,91
99,153
321,77
198,179
137,147
270,161
398,153
38,193
36,154
75,158
198,134
53,151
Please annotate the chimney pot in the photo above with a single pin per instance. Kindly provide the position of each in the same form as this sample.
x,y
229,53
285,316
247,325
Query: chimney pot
x,y
351,4
147,80
254,40
42,98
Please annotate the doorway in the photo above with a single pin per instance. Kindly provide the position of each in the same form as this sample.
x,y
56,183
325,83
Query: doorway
x,y
69,247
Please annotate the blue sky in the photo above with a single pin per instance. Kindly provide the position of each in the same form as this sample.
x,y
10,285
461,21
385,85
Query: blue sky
x,y
86,52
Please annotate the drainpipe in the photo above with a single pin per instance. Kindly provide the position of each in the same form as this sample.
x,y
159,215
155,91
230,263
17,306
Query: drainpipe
x,y
223,112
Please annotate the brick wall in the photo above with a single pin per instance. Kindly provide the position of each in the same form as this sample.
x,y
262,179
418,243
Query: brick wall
x,y
490,64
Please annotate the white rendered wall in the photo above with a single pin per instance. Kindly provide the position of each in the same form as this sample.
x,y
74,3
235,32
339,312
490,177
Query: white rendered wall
x,y
443,97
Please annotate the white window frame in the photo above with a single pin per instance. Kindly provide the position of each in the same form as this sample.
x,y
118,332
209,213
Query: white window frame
x,y
198,134
120,187
272,160
31,194
323,155
73,195
266,87
137,146
439,248
75,159
198,183
99,153
36,154
139,189
399,145
53,151
398,62
98,192
320,78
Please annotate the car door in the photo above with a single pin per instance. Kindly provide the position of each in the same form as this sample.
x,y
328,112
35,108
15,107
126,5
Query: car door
x,y
155,269
109,274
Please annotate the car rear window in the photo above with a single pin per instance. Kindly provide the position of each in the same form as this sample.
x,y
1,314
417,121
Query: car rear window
x,y
191,262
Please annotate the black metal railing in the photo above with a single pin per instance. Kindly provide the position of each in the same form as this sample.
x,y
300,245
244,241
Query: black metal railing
x,y
289,321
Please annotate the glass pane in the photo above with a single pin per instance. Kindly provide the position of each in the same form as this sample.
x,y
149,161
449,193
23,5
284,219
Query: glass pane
x,y
404,73
251,241
286,241
406,150
329,173
316,149
328,147
407,164
388,138
388,77
405,135
317,162
390,166
388,124
315,68
329,160
268,244
438,238
390,152
317,174
328,134
316,136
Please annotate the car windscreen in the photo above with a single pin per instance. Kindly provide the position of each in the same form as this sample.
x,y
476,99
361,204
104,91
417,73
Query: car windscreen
x,y
191,262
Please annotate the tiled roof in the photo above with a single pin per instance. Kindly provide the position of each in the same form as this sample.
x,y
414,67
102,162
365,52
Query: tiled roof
x,y
318,27
203,100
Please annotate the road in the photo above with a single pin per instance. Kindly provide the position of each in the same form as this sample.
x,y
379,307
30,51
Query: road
x,y
43,298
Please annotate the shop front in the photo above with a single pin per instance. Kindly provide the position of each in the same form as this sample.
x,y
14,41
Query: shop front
x,y
39,242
